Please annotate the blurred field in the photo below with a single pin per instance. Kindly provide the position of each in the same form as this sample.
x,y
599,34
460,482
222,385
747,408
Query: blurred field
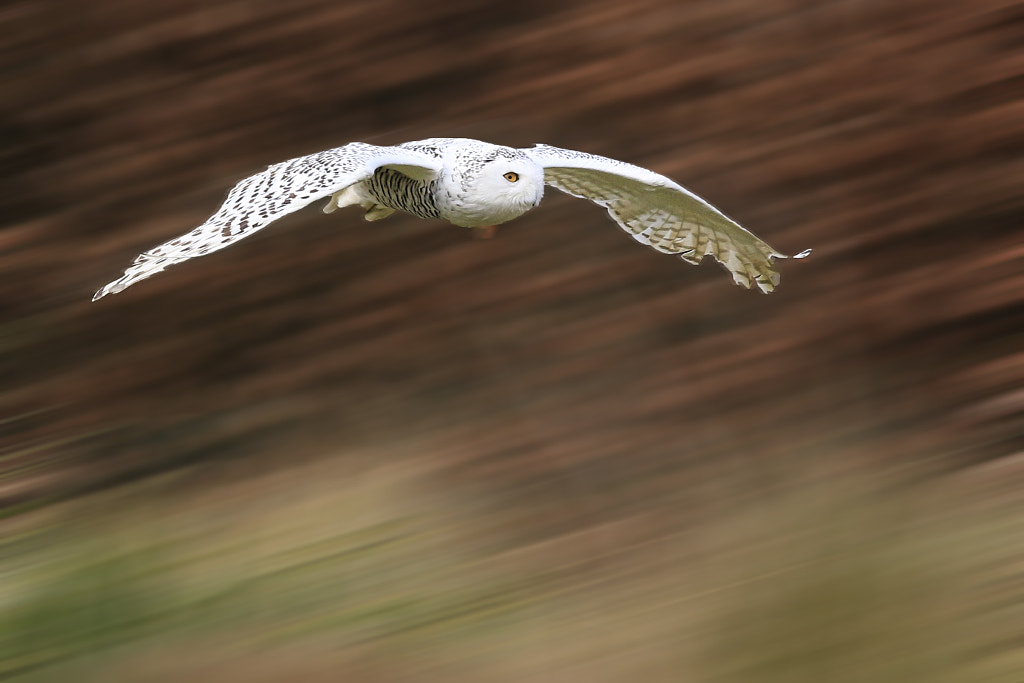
x,y
391,452
327,572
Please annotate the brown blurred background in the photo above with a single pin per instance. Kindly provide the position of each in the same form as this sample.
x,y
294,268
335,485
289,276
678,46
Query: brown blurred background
x,y
554,455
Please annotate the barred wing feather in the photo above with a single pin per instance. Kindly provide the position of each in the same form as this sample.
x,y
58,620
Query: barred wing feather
x,y
281,189
659,212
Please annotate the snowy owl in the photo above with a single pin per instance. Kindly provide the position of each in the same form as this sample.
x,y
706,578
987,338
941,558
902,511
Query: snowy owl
x,y
472,184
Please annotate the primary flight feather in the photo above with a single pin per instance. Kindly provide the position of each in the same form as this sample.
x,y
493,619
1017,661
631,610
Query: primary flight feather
x,y
472,184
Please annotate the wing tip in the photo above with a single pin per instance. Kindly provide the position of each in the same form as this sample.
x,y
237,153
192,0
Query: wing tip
x,y
111,288
803,254
768,283
146,265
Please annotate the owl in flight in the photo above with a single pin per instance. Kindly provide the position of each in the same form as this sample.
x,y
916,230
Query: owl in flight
x,y
472,184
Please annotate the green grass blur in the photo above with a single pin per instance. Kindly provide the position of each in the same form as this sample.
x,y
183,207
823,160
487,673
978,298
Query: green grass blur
x,y
376,575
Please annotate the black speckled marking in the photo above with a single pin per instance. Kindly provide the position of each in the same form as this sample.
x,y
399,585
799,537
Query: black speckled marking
x,y
398,191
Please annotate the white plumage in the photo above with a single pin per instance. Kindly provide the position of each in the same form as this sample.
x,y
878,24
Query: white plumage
x,y
472,184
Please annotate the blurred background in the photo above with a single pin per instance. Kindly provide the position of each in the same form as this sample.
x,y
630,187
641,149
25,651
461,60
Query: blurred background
x,y
391,452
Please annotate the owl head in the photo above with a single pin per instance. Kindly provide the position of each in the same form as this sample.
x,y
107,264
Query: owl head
x,y
499,184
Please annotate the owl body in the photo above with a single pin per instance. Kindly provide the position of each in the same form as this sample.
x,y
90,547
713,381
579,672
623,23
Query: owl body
x,y
479,184
471,183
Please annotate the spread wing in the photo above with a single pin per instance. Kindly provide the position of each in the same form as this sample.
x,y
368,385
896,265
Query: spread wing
x,y
657,211
259,200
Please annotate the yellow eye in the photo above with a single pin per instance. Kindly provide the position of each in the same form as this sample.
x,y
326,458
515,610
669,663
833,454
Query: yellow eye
x,y
511,176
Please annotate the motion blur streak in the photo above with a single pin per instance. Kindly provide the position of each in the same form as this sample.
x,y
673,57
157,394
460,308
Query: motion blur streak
x,y
391,452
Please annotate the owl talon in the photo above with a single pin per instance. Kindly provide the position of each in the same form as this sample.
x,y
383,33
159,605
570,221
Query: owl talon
x,y
486,232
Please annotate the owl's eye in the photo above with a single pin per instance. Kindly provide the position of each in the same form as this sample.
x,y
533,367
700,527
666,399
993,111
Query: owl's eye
x,y
511,176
